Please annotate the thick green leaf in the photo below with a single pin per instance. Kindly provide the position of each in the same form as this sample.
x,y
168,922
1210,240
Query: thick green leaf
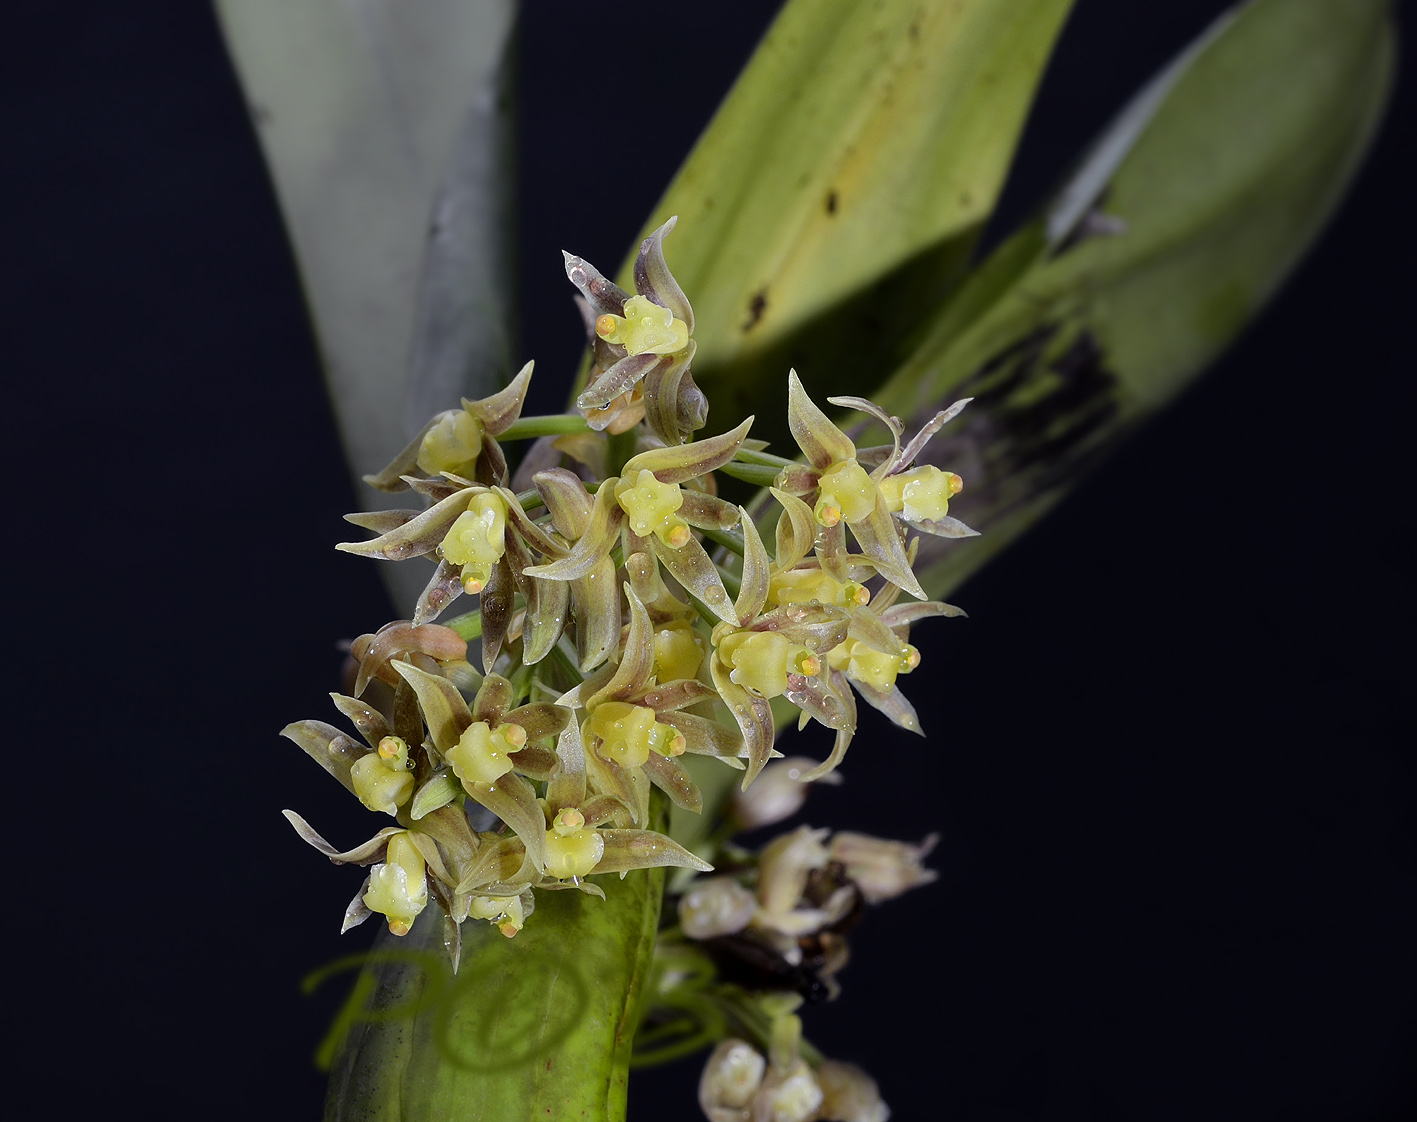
x,y
838,192
530,1028
387,131
1097,313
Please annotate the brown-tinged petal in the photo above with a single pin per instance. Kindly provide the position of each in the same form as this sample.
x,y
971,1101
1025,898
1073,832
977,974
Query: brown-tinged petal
x,y
327,746
870,629
602,294
495,603
594,545
589,449
605,777
530,532
392,479
364,854
493,700
644,849
947,527
369,721
692,568
671,778
381,521
693,405
753,593
871,409
400,637
705,737
540,719
661,390
428,850
798,479
796,530
436,490
665,697
707,512
929,429
358,911
602,808
904,615
443,587
408,716
496,860
512,799
814,625
499,411
831,551
816,697
620,379
842,689
880,542
821,441
547,604
637,660
567,784
567,500
414,538
752,715
688,461
893,704
654,281
595,604
443,708
491,468
535,762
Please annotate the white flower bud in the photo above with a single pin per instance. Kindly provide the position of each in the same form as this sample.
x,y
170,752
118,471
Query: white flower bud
x,y
849,1094
880,868
733,1073
716,906
784,865
777,794
794,1097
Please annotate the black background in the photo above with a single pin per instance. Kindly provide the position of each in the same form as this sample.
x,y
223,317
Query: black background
x,y
1171,750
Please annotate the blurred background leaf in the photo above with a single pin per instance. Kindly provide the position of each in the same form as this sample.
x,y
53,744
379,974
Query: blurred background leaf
x,y
387,129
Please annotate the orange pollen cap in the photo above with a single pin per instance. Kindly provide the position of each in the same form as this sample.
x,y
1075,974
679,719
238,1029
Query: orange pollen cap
x,y
472,586
605,325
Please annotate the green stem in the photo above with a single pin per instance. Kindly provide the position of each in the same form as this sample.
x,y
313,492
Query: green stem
x,y
526,428
759,475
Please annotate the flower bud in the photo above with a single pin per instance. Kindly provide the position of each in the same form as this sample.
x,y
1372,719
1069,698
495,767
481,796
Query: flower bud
x,y
398,888
880,868
716,906
776,794
849,1094
451,445
784,865
734,1071
677,653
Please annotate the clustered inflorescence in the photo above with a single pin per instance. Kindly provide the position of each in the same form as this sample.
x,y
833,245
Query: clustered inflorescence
x,y
629,618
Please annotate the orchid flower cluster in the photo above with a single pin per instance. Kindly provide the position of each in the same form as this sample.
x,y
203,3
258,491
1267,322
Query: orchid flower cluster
x,y
629,618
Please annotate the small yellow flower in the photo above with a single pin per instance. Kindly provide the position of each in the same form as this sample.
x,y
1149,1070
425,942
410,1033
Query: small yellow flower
x,y
921,495
398,888
872,667
508,913
802,586
847,492
482,754
477,540
382,781
651,506
645,328
573,849
629,733
760,661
